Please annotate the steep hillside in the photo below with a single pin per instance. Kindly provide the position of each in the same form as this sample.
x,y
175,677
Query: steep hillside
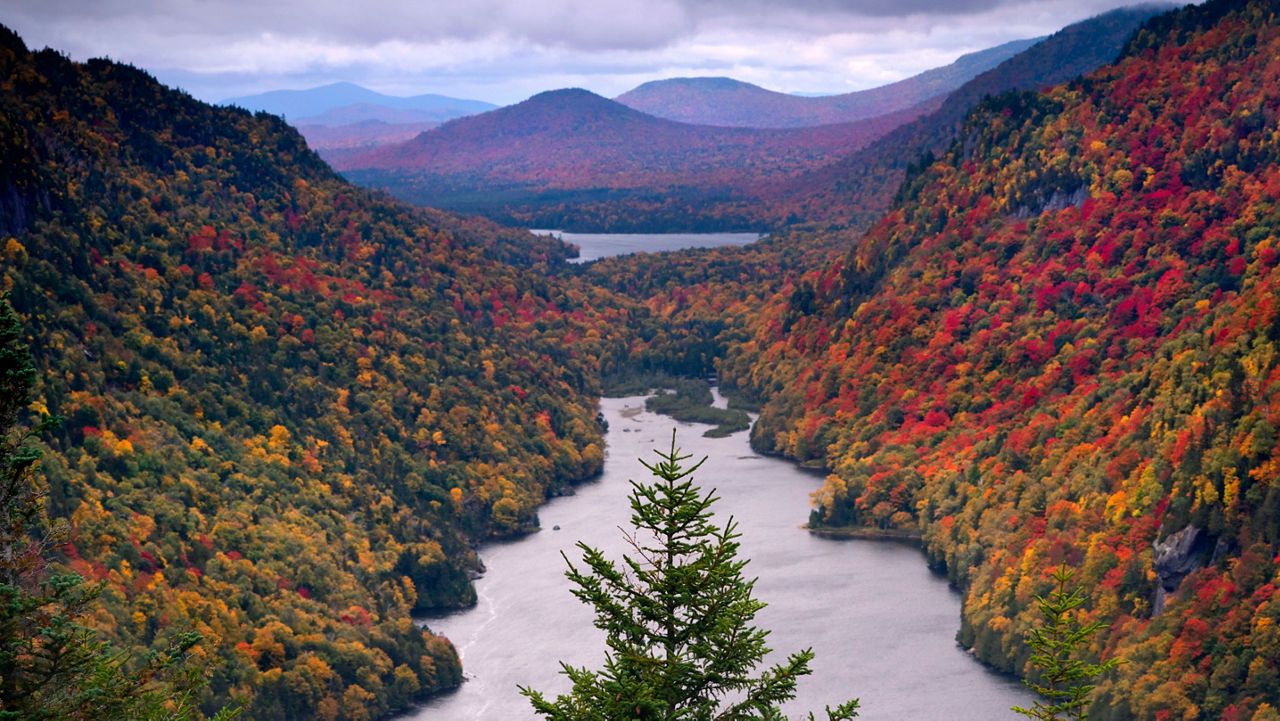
x,y
729,102
1061,347
637,177
290,405
527,162
858,188
722,288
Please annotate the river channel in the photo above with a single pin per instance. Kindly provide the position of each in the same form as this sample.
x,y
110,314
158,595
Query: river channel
x,y
882,625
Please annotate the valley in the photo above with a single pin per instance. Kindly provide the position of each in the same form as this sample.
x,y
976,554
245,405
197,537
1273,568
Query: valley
x,y
304,414
843,598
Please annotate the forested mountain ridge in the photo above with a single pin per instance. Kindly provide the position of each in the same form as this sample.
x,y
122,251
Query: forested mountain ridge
x,y
576,161
1060,346
290,404
721,289
728,102
573,159
856,190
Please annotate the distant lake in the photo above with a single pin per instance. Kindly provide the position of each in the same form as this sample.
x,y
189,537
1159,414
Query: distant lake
x,y
883,626
603,245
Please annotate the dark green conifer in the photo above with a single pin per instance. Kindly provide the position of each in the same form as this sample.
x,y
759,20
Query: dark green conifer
x,y
1064,679
677,615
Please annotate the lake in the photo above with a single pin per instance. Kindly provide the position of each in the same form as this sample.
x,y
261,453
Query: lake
x,y
883,626
595,246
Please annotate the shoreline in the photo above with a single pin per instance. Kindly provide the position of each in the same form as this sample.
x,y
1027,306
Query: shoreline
x,y
862,533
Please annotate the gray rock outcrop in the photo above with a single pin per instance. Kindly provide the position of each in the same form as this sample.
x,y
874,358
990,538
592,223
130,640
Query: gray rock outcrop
x,y
1177,555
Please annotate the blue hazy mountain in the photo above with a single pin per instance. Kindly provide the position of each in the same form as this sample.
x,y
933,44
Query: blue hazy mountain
x,y
729,102
354,103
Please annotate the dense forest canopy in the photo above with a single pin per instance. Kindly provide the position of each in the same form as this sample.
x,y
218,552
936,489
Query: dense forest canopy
x,y
292,405
537,161
1060,346
576,161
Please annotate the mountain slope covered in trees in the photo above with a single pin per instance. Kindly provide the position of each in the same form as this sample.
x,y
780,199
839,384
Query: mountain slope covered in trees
x,y
855,190
576,161
573,159
290,404
721,289
1060,346
729,102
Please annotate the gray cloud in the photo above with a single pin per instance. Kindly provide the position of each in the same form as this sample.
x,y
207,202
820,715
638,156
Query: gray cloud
x,y
589,24
855,8
502,50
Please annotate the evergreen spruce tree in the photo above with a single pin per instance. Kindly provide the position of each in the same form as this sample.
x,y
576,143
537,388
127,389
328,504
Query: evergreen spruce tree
x,y
52,667
1064,679
677,618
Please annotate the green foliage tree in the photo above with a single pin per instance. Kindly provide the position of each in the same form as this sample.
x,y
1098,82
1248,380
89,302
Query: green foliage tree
x,y
677,617
51,665
1064,679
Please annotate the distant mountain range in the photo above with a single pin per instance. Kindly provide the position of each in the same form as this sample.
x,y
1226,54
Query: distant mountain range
x,y
576,141
372,112
571,159
343,103
581,135
343,116
858,188
729,102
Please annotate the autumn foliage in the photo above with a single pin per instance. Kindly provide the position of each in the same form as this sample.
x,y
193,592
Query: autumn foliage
x,y
571,159
291,405
1060,347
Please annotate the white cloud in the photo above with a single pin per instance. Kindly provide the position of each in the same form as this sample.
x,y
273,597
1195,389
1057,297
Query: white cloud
x,y
504,50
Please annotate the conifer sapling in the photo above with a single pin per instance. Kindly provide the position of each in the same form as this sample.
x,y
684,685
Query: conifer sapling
x,y
1065,680
677,616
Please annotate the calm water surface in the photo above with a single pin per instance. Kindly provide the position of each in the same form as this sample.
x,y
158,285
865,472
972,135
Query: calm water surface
x,y
603,245
882,625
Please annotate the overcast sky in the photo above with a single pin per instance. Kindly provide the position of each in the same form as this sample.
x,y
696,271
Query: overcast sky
x,y
505,50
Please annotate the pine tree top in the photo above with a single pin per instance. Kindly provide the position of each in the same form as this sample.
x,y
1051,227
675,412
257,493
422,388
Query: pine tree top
x,y
678,617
